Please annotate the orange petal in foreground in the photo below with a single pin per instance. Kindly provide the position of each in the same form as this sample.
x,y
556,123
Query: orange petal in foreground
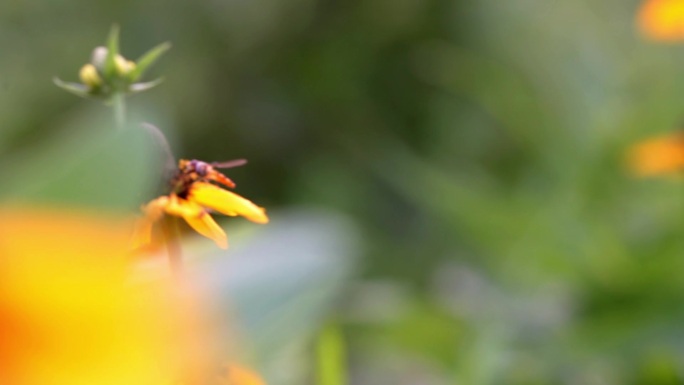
x,y
236,374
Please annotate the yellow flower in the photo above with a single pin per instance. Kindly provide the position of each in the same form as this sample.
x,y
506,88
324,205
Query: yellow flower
x,y
658,156
71,314
662,20
193,199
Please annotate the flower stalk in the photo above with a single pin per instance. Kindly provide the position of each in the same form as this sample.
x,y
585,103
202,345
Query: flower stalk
x,y
119,107
171,234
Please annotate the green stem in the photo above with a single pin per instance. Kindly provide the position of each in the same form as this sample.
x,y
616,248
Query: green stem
x,y
173,246
119,104
331,354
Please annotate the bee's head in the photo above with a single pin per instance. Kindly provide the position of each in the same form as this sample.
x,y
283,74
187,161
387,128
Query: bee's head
x,y
201,168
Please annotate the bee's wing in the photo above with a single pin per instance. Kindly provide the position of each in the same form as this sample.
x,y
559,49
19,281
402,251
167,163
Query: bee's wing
x,y
229,163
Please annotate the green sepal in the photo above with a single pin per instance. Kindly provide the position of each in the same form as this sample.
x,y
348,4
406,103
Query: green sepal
x,y
144,86
146,60
113,50
75,88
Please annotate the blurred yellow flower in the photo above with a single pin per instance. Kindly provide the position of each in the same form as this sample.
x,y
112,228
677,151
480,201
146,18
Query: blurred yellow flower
x,y
70,314
662,20
192,199
658,156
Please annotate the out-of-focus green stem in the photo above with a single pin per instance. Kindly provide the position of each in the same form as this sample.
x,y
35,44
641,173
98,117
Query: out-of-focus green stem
x,y
119,105
331,356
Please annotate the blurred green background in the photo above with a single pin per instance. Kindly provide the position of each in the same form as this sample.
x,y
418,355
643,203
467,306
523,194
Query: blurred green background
x,y
466,156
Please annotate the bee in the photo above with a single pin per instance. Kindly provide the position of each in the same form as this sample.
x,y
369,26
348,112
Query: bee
x,y
191,171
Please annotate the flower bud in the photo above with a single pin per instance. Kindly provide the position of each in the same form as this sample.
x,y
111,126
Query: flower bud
x,y
123,66
99,57
109,73
89,76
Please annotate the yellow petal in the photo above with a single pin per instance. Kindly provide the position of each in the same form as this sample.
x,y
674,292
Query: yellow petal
x,y
662,19
182,207
205,225
198,219
661,155
142,232
226,202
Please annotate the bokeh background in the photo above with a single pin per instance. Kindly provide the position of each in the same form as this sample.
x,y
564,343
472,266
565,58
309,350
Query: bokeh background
x,y
445,178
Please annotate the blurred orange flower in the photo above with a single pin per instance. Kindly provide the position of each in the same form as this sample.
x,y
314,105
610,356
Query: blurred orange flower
x,y
662,20
234,374
192,199
70,314
657,156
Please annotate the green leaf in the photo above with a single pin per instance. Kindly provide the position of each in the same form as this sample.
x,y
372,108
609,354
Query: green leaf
x,y
113,50
146,60
93,166
140,87
77,89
